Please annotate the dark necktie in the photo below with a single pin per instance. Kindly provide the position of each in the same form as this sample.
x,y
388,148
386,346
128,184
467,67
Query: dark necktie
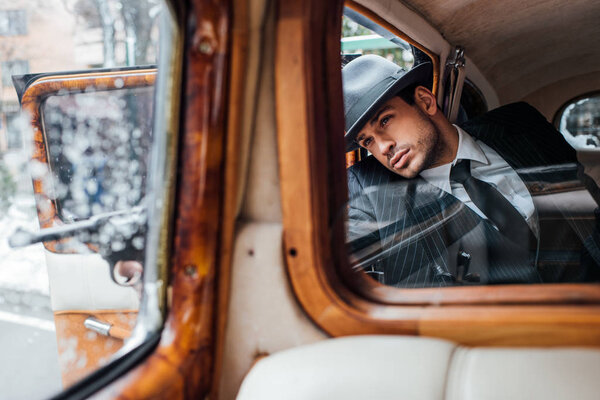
x,y
491,202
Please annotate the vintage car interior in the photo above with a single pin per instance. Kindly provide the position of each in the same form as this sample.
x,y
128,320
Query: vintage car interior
x,y
246,287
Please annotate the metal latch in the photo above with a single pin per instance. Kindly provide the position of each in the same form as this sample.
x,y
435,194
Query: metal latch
x,y
454,77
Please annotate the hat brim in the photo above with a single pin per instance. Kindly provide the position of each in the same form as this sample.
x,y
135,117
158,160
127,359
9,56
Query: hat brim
x,y
421,74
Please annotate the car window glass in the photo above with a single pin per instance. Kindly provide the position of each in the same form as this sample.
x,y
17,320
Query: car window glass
x,y
579,122
507,206
79,156
358,40
472,102
118,123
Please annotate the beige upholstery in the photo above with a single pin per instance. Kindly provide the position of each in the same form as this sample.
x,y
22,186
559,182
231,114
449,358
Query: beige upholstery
x,y
488,30
576,203
397,367
83,282
524,374
550,98
367,367
263,315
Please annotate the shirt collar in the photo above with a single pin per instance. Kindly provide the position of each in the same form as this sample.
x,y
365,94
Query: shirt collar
x,y
468,149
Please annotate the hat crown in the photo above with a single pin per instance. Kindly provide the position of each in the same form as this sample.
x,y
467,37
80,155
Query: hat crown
x,y
368,82
362,74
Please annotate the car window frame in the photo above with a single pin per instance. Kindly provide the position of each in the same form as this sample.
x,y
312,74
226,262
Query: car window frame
x,y
313,190
40,87
560,111
195,120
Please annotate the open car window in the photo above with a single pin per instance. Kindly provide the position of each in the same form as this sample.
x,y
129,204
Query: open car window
x,y
362,36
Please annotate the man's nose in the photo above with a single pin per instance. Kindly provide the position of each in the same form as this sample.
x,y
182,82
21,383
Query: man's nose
x,y
386,146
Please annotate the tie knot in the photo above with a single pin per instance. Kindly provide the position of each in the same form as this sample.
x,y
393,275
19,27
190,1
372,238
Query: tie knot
x,y
461,171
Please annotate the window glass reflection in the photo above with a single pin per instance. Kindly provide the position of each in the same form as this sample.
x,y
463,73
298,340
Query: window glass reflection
x,y
106,170
500,198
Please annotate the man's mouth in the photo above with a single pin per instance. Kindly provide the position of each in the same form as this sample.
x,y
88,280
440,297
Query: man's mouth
x,y
400,159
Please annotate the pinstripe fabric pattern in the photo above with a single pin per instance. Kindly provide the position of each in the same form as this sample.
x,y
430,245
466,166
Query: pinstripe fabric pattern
x,y
522,136
401,229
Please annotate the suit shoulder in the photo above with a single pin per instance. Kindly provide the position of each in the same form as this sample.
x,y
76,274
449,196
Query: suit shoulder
x,y
365,165
522,136
519,114
370,170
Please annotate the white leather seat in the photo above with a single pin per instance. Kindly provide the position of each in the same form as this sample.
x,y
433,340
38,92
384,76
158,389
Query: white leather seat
x,y
399,367
83,282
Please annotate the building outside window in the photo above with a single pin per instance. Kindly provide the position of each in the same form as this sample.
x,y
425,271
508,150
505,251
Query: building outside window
x,y
13,67
13,133
13,22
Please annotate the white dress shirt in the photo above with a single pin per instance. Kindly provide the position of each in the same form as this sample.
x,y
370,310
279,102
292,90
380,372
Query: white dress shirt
x,y
487,166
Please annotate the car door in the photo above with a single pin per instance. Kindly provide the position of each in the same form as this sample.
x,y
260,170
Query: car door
x,y
92,132
87,159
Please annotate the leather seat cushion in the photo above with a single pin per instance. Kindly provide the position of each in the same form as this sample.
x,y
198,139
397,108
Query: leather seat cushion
x,y
400,367
365,367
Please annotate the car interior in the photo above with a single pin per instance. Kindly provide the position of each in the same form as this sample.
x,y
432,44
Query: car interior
x,y
249,284
509,57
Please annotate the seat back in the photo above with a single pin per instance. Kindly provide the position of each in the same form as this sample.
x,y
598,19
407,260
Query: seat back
x,y
400,367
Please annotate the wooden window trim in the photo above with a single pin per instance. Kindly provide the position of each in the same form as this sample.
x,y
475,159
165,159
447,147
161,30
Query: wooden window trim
x,y
181,366
313,190
31,103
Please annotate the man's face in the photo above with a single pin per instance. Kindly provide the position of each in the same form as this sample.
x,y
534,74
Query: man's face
x,y
401,137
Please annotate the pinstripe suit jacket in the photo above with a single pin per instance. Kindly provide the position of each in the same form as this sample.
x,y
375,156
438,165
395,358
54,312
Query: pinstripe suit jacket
x,y
400,230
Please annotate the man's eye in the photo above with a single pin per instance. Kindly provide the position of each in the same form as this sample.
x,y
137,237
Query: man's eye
x,y
367,142
384,121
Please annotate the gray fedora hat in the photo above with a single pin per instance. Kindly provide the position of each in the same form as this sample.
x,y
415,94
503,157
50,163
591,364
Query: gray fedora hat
x,y
369,81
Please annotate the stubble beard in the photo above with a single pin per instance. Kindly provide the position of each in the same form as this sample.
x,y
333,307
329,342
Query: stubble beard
x,y
430,143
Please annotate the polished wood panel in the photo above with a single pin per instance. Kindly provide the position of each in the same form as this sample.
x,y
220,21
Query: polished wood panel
x,y
240,35
182,364
497,294
514,325
313,189
31,103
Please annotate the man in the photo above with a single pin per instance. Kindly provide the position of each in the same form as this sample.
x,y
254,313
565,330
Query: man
x,y
433,205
